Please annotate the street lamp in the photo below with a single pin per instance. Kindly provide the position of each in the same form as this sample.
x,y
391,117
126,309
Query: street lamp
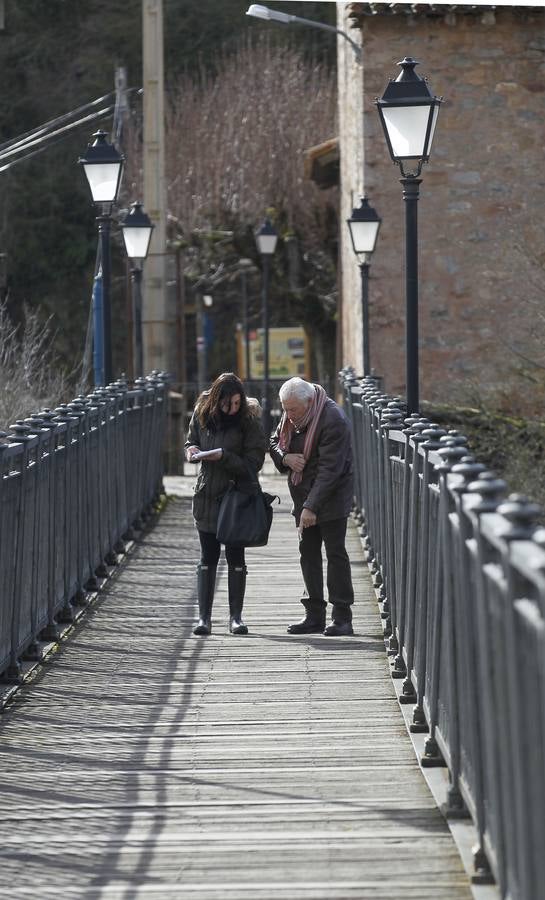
x,y
364,224
245,265
103,166
408,113
273,15
137,228
266,239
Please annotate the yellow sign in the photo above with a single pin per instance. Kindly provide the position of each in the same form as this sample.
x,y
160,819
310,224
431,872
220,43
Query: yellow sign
x,y
289,353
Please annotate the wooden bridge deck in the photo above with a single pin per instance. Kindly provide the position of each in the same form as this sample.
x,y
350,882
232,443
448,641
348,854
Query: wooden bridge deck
x,y
146,763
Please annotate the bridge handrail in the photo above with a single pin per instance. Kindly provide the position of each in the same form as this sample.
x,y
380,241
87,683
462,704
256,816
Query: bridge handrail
x,y
460,572
74,484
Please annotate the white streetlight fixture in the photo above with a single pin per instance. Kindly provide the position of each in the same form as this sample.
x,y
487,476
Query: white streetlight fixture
x,y
266,239
273,15
408,113
137,228
103,166
270,15
364,224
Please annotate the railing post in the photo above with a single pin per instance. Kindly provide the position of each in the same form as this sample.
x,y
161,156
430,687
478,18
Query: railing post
x,y
414,555
19,434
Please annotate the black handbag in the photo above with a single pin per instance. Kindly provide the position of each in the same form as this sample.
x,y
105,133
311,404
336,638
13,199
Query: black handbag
x,y
245,514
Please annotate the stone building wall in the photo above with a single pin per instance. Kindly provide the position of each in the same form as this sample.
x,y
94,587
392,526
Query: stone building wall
x,y
481,234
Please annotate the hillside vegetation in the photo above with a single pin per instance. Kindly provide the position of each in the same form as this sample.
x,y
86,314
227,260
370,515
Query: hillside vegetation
x,y
55,57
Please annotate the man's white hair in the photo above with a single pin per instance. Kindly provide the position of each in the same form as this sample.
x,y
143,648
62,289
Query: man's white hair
x,y
298,388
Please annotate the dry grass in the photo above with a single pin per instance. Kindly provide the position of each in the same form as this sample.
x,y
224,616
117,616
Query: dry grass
x,y
511,447
29,376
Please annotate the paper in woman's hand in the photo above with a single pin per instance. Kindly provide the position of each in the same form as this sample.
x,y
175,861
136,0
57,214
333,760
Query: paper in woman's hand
x,y
203,454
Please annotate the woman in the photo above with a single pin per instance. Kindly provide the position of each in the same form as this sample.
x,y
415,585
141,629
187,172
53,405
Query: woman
x,y
227,424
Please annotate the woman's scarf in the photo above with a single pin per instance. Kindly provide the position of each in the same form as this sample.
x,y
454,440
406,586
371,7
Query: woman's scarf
x,y
310,422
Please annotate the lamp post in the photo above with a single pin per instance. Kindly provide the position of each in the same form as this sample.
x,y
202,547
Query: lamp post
x,y
408,113
137,228
364,224
266,239
103,166
245,265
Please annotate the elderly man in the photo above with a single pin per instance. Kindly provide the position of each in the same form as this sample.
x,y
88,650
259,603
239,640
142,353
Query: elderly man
x,y
312,445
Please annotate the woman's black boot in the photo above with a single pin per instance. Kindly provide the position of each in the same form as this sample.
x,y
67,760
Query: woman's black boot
x,y
236,584
206,582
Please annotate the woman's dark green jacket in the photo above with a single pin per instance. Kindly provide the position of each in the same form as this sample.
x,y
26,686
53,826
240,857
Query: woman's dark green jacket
x,y
243,441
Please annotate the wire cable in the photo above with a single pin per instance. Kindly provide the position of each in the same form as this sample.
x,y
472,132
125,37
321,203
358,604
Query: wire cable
x,y
47,141
59,120
44,133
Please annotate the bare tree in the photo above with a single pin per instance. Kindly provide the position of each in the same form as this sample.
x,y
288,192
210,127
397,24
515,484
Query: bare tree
x,y
235,151
236,142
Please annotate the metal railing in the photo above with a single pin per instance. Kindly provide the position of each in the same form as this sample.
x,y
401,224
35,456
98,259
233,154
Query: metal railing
x,y
460,572
74,484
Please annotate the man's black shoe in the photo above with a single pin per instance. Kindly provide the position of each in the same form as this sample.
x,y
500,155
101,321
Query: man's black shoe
x,y
308,625
339,629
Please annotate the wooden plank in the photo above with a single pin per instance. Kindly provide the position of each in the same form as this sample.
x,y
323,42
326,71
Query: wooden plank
x,y
145,762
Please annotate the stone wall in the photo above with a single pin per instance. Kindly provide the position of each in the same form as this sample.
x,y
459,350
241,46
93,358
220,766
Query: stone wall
x,y
482,249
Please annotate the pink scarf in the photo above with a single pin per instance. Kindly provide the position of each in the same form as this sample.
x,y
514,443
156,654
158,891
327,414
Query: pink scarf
x,y
310,422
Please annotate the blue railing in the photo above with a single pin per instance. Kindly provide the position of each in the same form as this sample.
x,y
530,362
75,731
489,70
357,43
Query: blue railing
x,y
460,575
74,484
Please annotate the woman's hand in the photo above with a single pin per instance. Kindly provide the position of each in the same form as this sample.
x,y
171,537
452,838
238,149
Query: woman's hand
x,y
195,454
294,461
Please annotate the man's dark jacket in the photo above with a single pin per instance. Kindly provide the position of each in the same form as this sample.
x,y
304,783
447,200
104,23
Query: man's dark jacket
x,y
327,486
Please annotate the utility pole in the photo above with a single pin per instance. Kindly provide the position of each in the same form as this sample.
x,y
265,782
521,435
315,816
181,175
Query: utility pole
x,y
121,111
157,336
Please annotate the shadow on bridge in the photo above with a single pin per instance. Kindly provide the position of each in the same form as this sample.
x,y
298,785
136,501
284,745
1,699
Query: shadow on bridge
x,y
144,762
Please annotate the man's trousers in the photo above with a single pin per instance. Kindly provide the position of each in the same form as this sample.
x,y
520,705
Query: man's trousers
x,y
332,535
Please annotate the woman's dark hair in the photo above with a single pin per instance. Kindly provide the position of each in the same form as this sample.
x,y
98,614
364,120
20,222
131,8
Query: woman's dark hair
x,y
225,386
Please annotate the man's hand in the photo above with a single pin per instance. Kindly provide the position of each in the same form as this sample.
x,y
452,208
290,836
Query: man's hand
x,y
294,461
189,453
308,518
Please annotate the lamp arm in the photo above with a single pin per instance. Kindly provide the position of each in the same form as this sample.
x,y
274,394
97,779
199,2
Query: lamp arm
x,y
411,174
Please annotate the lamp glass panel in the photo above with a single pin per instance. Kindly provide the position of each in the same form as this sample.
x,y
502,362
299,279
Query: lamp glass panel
x,y
136,241
364,235
432,130
407,126
103,181
266,243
